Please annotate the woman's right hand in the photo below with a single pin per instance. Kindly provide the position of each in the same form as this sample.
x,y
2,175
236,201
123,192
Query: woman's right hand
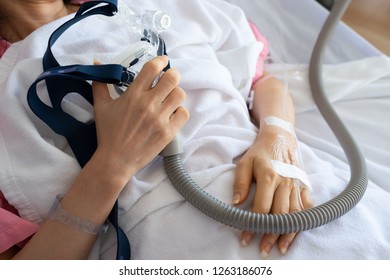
x,y
134,128
131,131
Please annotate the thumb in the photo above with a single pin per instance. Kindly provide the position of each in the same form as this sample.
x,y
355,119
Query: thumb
x,y
242,181
100,93
100,90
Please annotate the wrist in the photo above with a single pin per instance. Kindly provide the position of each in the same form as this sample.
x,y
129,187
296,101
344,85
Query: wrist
x,y
59,214
277,123
95,190
272,127
110,169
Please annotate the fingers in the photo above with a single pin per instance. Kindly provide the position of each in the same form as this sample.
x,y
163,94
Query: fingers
x,y
274,195
267,183
284,242
283,195
294,206
281,205
307,199
152,79
267,242
246,238
167,82
242,181
174,99
179,118
298,200
135,127
277,195
149,72
161,89
265,197
100,91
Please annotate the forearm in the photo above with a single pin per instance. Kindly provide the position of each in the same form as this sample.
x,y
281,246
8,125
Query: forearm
x,y
271,99
91,197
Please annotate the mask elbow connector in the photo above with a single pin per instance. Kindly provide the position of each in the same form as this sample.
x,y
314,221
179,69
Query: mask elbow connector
x,y
175,147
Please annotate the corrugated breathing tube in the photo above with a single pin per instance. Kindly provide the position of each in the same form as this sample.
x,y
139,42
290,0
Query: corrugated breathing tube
x,y
292,222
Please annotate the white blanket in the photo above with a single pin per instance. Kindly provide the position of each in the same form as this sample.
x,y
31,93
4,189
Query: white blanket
x,y
209,42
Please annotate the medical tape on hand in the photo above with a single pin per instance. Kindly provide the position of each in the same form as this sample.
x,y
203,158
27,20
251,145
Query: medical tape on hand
x,y
293,172
280,167
271,120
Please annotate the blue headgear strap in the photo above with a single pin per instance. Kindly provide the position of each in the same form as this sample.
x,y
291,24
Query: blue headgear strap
x,y
61,80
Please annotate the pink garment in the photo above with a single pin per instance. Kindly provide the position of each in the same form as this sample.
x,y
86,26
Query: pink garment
x,y
264,53
4,45
13,229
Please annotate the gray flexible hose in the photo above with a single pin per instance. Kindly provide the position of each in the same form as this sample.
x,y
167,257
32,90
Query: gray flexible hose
x,y
292,222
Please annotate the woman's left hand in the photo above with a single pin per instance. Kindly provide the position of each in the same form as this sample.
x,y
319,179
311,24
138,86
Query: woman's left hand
x,y
274,194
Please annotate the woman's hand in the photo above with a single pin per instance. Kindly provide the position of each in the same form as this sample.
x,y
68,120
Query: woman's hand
x,y
135,127
274,194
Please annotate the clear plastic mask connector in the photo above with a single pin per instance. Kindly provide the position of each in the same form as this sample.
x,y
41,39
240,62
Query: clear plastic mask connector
x,y
147,26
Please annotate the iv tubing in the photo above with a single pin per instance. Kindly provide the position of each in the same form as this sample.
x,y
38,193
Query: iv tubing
x,y
292,222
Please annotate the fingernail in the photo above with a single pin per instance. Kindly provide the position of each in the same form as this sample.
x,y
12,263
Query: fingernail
x,y
284,247
246,238
236,198
266,249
